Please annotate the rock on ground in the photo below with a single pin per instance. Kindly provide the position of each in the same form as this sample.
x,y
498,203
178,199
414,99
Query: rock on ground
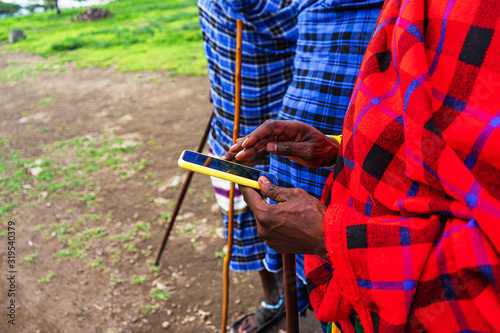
x,y
16,35
94,14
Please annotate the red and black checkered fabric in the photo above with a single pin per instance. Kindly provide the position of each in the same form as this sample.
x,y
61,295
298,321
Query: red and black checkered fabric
x,y
412,225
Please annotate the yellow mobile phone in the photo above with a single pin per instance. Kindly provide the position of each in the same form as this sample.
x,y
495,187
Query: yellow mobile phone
x,y
216,167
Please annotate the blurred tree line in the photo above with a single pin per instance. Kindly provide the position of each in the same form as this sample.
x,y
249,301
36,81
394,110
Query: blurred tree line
x,y
9,8
46,5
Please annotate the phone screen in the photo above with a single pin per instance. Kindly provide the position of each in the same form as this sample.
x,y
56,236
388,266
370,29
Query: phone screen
x,y
226,166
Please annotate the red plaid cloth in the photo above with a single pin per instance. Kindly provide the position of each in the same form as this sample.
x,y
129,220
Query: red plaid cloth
x,y
412,225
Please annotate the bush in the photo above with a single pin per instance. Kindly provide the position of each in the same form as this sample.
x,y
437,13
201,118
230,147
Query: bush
x,y
68,44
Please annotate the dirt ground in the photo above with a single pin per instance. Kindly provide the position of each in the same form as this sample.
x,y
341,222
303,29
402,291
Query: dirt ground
x,y
166,115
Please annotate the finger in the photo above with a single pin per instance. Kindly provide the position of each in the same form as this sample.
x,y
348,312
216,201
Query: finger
x,y
229,156
236,147
273,192
305,150
248,153
254,159
268,131
259,138
253,199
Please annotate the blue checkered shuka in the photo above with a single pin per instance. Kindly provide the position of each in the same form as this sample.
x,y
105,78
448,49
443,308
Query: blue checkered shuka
x,y
333,36
269,40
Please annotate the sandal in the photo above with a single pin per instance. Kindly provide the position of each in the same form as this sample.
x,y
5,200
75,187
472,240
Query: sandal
x,y
271,312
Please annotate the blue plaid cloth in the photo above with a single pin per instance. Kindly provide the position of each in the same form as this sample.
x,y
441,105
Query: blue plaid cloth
x,y
269,40
333,36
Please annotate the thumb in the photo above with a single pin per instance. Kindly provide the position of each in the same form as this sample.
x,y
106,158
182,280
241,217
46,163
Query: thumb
x,y
273,192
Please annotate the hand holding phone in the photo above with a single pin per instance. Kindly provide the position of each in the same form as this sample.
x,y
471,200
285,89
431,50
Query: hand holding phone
x,y
234,172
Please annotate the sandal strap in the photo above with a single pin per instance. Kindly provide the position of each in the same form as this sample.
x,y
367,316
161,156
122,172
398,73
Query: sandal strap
x,y
265,314
270,306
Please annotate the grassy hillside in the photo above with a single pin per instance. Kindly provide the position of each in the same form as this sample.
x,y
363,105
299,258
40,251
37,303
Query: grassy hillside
x,y
143,35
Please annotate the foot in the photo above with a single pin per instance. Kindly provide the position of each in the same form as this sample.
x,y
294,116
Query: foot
x,y
265,315
251,324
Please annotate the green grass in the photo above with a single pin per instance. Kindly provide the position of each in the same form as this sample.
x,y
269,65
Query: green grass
x,y
220,254
142,35
138,279
31,258
148,308
45,101
153,268
160,295
47,279
96,263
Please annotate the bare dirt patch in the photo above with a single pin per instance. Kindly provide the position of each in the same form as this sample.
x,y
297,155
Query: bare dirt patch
x,y
85,236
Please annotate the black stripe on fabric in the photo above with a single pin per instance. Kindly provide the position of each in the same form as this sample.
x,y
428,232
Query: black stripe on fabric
x,y
377,161
357,237
475,46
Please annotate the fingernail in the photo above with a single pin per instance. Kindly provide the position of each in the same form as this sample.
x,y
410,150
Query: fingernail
x,y
244,142
239,154
264,179
233,146
271,146
223,158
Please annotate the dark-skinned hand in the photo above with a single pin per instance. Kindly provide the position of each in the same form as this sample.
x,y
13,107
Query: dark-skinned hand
x,y
298,141
294,225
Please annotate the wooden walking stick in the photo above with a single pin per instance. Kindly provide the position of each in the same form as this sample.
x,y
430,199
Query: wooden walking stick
x,y
230,217
289,273
180,199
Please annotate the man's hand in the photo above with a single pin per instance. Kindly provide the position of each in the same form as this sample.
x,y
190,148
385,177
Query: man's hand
x,y
294,225
299,142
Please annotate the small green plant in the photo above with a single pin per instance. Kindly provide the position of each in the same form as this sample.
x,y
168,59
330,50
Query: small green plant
x,y
65,253
39,227
165,216
159,295
141,226
31,258
153,268
117,254
45,101
96,217
117,280
123,237
220,254
143,229
138,279
185,230
47,278
148,308
131,247
96,263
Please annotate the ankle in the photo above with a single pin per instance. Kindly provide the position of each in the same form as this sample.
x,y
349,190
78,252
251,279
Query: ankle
x,y
272,306
273,299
